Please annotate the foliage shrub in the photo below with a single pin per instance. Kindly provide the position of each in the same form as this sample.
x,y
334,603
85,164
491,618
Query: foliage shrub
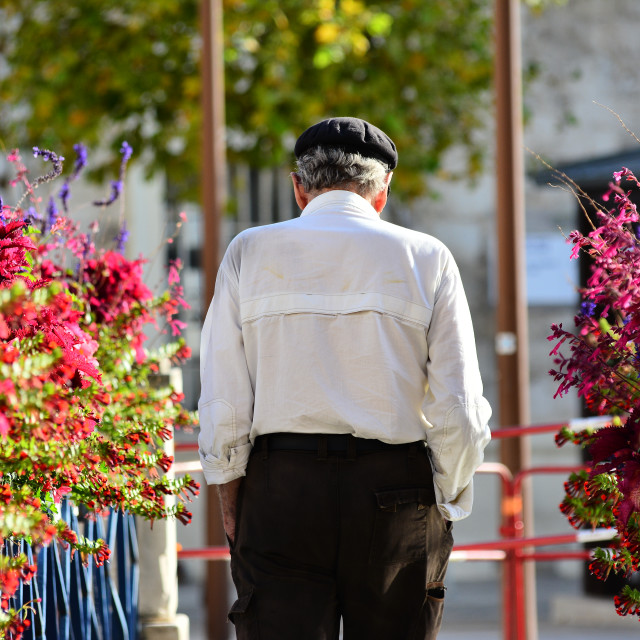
x,y
79,416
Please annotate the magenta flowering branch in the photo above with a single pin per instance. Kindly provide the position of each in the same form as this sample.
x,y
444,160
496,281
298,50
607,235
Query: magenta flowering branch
x,y
603,365
21,176
182,218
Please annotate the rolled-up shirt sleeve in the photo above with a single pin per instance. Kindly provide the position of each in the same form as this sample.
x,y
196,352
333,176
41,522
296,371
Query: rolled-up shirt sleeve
x,y
226,398
456,411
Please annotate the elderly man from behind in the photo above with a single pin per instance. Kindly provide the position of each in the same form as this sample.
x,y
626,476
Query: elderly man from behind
x,y
341,409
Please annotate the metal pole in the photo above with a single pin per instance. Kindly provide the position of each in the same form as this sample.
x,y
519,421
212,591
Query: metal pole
x,y
213,140
512,334
213,199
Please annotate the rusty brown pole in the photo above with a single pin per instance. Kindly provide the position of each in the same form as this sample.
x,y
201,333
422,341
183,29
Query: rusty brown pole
x,y
213,201
512,331
213,140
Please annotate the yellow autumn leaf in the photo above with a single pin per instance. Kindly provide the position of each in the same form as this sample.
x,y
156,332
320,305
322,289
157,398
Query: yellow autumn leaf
x,y
352,7
360,44
250,44
281,20
50,70
327,33
258,120
43,109
326,9
191,85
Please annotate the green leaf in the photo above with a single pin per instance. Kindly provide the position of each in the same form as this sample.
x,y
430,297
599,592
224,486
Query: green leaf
x,y
380,24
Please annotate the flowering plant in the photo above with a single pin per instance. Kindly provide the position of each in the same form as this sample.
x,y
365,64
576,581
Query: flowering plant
x,y
79,415
604,366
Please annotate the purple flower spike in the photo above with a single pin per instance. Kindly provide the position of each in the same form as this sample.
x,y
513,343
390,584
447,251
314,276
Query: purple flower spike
x,y
56,160
86,249
126,151
121,238
52,214
42,153
64,194
81,160
116,188
117,185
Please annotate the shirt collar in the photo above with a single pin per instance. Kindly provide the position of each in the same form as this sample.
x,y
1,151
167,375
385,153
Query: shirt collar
x,y
342,202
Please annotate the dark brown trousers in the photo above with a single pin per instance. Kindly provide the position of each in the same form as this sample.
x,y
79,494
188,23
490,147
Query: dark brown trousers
x,y
323,536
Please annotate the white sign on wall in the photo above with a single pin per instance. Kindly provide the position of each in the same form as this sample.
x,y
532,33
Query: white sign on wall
x,y
552,277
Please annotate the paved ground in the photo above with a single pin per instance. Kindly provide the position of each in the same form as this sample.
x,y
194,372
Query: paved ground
x,y
473,612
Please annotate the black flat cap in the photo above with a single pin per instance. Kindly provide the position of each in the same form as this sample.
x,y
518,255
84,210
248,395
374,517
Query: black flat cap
x,y
352,135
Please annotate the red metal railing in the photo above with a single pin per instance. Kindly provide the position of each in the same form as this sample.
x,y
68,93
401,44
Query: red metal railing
x,y
512,549
518,548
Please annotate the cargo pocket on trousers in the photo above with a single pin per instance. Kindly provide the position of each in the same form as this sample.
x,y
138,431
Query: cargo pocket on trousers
x,y
400,528
242,615
430,620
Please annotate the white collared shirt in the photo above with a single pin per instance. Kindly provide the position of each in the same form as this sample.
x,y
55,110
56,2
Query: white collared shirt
x,y
340,322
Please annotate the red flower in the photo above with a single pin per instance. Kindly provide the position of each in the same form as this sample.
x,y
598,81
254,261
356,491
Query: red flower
x,y
117,284
13,248
5,493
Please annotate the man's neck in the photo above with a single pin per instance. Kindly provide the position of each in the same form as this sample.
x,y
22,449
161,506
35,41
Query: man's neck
x,y
370,200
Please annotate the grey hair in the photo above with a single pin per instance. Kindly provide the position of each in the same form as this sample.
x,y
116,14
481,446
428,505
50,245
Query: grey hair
x,y
323,168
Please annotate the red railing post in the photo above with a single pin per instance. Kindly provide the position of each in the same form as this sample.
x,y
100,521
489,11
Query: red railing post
x,y
508,508
512,602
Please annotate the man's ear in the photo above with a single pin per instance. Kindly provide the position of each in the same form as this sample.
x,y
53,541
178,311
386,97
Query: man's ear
x,y
302,197
380,199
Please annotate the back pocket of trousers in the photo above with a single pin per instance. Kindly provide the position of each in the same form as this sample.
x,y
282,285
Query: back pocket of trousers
x,y
400,527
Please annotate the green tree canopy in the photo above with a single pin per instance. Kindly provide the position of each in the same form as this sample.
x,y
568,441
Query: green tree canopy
x,y
101,71
106,70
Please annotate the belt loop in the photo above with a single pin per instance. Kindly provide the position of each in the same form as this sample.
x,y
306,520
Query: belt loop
x,y
265,447
351,447
323,445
